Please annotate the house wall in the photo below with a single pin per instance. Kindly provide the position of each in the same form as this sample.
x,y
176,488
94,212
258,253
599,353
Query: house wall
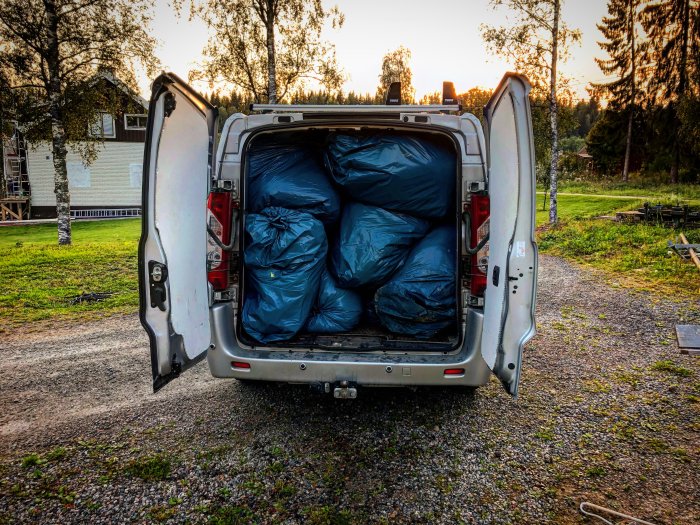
x,y
114,178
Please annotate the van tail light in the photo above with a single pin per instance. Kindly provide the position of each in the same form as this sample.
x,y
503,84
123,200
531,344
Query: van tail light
x,y
479,213
219,215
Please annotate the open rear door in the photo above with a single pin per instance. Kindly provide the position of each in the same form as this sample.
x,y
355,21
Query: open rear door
x,y
174,307
509,301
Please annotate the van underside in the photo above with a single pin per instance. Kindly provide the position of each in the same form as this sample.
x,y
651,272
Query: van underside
x,y
369,334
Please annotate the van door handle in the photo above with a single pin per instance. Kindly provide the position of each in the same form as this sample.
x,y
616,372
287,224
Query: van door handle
x,y
157,275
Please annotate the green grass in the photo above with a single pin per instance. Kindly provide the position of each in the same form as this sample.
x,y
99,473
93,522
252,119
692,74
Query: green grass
x,y
155,467
662,192
38,278
635,255
583,207
672,368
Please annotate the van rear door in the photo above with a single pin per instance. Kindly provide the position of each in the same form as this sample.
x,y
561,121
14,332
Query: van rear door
x,y
177,169
509,301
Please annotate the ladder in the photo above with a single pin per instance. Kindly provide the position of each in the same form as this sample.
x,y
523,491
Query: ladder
x,y
14,156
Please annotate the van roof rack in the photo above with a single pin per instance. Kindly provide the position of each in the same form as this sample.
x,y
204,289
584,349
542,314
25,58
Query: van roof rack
x,y
355,108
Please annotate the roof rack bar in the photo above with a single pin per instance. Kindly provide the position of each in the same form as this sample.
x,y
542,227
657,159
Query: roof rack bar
x,y
355,108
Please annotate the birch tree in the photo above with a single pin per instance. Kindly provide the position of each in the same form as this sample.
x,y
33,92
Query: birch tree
x,y
535,44
396,68
53,50
268,47
622,44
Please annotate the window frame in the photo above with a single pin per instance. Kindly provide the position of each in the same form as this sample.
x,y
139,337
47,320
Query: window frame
x,y
101,121
134,128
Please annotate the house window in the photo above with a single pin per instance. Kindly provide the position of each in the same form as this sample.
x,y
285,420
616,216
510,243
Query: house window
x,y
78,175
135,122
103,126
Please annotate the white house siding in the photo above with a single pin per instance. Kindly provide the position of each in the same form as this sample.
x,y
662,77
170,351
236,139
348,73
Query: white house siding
x,y
111,176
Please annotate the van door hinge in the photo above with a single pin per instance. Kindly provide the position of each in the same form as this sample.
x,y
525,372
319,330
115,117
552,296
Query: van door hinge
x,y
169,104
157,275
225,185
477,187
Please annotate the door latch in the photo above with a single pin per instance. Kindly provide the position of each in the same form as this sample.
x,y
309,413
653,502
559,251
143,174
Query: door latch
x,y
157,275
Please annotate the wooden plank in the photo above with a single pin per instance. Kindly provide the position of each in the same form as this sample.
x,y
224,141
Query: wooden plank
x,y
688,336
693,255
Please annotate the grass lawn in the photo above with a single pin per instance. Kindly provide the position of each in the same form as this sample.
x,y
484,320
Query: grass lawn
x,y
39,279
572,207
631,255
665,193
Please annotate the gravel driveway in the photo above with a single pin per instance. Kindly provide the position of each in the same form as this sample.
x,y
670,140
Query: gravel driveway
x,y
608,413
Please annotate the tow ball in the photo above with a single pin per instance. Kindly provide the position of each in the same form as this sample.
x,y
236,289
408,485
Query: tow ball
x,y
345,390
341,389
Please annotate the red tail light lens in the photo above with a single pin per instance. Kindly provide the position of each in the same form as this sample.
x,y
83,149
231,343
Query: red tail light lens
x,y
454,371
479,211
219,209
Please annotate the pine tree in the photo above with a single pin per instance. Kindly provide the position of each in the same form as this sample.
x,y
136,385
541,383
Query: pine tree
x,y
622,46
673,28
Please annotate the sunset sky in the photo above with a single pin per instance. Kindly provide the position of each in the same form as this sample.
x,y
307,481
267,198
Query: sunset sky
x,y
443,36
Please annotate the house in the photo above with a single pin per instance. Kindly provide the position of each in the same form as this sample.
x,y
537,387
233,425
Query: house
x,y
109,187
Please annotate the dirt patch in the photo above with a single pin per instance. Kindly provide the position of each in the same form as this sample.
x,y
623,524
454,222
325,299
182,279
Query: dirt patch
x,y
607,413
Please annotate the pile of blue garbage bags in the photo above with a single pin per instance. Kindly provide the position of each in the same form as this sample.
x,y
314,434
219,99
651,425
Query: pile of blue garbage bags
x,y
358,228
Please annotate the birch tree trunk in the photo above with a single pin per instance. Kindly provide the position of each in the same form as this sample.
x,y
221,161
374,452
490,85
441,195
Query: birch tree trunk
x,y
271,69
58,132
553,117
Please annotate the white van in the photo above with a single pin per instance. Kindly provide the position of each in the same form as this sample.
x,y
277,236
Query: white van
x,y
191,272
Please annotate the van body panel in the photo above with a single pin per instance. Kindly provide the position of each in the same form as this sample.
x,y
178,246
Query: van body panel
x,y
172,274
367,369
509,302
191,321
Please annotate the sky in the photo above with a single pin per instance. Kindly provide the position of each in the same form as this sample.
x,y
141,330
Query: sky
x,y
443,36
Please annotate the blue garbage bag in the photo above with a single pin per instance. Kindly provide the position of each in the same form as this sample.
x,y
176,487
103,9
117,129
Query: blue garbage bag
x,y
282,172
284,257
336,310
372,243
420,299
402,173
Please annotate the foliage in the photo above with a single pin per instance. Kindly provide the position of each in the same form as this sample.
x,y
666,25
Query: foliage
x,y
474,100
396,68
622,45
572,144
102,36
673,30
535,43
673,56
268,48
51,54
527,43
586,113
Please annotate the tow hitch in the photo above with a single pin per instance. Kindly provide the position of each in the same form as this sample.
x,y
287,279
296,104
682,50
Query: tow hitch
x,y
341,389
345,390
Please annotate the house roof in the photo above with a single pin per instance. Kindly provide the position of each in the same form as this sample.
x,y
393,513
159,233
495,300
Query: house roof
x,y
583,153
109,77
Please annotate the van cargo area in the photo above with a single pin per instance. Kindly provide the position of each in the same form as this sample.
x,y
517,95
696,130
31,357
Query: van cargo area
x,y
350,240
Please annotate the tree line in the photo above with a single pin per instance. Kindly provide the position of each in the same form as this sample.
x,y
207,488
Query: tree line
x,y
273,51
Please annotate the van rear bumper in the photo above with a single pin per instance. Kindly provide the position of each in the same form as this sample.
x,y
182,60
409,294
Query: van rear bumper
x,y
368,369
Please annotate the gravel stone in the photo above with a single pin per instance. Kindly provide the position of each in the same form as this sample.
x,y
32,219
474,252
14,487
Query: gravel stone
x,y
84,440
